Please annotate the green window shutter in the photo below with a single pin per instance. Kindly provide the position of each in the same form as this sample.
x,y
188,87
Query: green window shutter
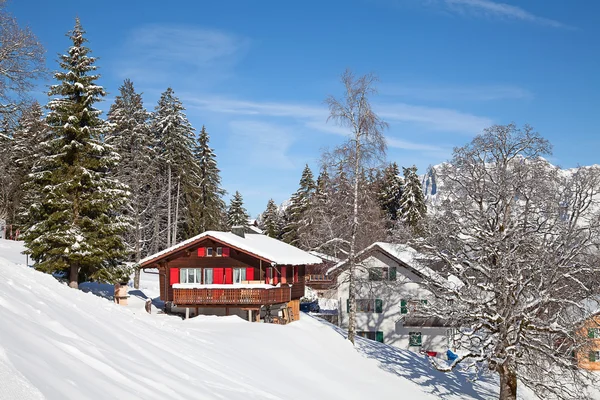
x,y
348,305
592,356
378,305
590,332
379,336
403,307
392,273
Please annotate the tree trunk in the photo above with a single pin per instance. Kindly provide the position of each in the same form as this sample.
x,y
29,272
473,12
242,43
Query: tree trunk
x,y
74,277
169,209
508,384
351,256
138,252
174,237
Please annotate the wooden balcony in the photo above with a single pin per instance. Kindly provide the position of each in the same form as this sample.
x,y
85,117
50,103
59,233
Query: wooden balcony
x,y
231,297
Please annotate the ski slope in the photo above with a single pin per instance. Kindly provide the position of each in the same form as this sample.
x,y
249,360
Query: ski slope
x,y
61,343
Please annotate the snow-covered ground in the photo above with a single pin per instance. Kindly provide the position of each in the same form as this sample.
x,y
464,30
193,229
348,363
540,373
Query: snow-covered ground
x,y
60,343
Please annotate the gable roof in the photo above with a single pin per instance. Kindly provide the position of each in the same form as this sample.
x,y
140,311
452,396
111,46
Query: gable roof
x,y
401,253
271,250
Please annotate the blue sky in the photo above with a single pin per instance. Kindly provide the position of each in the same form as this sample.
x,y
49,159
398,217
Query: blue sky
x,y
256,73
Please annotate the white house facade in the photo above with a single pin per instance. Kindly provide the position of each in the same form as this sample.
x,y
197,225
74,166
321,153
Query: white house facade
x,y
388,294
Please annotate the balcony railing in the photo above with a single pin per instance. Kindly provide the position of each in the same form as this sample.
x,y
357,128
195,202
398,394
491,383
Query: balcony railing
x,y
233,296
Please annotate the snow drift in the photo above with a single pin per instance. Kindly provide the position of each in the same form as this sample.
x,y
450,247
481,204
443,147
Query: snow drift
x,y
60,343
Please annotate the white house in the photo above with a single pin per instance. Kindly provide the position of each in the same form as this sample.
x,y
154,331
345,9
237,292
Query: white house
x,y
388,291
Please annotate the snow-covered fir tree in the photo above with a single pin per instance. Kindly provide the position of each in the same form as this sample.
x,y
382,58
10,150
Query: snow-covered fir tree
x,y
178,169
270,220
390,191
131,138
26,148
75,225
236,213
297,223
412,201
207,208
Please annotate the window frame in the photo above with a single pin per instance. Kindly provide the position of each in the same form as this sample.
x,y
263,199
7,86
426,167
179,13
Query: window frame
x,y
209,252
219,252
242,275
184,276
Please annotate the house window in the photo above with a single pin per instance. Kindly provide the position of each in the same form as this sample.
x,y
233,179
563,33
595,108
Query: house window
x,y
594,333
371,335
208,276
415,339
190,275
595,356
382,274
239,275
367,305
209,252
219,251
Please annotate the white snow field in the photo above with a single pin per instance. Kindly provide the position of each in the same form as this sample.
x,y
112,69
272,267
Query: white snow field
x,y
60,343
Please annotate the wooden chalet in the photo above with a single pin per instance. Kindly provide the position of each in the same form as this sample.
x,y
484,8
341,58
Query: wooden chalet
x,y
233,273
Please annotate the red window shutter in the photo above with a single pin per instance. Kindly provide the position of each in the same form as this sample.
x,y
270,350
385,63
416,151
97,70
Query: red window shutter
x,y
268,275
217,275
275,276
225,251
201,251
249,274
228,275
296,274
173,275
283,274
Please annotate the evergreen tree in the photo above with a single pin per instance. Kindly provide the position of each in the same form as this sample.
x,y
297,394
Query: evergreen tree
x,y
207,208
131,138
76,226
297,211
412,202
25,150
270,220
237,214
390,192
175,143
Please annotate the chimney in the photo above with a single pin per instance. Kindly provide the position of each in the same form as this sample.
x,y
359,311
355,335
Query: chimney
x,y
238,230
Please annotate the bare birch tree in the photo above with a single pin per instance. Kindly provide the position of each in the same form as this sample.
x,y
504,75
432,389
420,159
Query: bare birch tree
x,y
21,61
365,146
519,239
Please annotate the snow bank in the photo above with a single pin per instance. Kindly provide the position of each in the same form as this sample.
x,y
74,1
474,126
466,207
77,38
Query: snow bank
x,y
60,343
66,344
12,251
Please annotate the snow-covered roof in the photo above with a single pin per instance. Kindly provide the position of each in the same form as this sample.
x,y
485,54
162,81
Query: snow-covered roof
x,y
324,257
401,252
263,246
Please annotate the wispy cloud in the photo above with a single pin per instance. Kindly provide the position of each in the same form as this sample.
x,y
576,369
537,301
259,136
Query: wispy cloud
x,y
433,118
438,119
262,144
159,51
501,10
406,145
458,93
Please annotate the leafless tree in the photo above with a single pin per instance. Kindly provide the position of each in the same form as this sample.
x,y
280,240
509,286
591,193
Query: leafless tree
x,y
21,61
519,240
364,148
